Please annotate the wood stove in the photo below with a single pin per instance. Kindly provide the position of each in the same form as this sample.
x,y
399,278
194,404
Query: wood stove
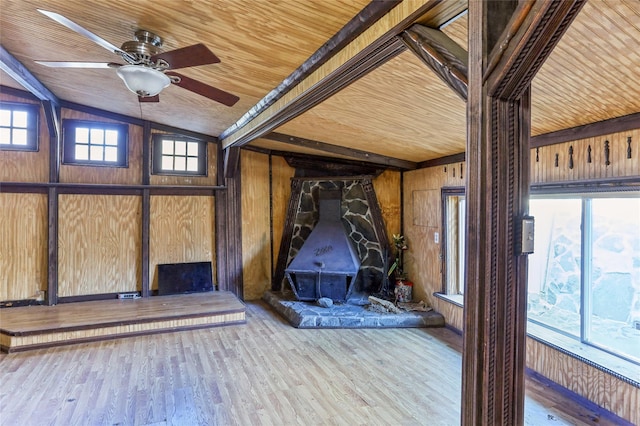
x,y
327,264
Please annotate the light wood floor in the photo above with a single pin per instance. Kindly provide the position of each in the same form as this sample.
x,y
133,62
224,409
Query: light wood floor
x,y
264,372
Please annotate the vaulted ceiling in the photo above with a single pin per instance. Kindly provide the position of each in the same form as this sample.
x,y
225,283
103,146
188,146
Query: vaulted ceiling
x,y
400,109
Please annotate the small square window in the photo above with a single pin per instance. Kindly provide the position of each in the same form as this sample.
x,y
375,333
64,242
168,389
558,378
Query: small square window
x,y
19,126
178,155
95,143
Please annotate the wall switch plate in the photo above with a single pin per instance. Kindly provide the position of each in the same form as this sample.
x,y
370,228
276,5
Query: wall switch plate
x,y
436,237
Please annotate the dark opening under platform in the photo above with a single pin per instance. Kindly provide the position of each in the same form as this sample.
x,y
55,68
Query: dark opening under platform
x,y
353,314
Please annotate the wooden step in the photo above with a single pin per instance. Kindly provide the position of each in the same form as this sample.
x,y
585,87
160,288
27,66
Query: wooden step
x,y
35,327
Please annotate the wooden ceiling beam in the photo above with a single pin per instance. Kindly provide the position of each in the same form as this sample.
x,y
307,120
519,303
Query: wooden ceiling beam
x,y
367,16
440,53
20,73
369,157
301,95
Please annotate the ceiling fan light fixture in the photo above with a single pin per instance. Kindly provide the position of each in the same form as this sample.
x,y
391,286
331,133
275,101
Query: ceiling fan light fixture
x,y
143,81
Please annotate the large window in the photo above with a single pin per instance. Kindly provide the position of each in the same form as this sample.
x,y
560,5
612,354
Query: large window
x,y
19,126
179,155
95,143
584,277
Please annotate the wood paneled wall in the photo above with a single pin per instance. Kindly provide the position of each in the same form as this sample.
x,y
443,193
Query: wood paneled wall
x,y
422,220
23,245
387,188
181,230
99,244
27,166
545,169
131,175
424,263
256,218
281,174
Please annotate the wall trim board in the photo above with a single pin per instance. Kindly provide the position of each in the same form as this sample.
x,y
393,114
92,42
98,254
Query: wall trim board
x,y
106,189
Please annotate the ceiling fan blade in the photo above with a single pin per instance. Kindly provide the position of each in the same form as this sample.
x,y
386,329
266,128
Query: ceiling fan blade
x,y
189,56
205,90
78,64
80,30
155,98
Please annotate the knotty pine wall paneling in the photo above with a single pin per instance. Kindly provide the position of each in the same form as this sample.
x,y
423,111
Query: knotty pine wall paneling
x,y
23,246
181,230
131,175
26,166
256,223
99,244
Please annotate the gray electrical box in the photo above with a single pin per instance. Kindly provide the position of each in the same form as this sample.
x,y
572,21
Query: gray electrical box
x,y
527,235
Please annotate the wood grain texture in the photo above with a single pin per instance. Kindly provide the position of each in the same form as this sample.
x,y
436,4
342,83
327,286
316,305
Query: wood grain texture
x,y
23,245
99,244
585,380
422,260
264,372
106,175
281,174
26,166
544,170
256,222
387,188
181,230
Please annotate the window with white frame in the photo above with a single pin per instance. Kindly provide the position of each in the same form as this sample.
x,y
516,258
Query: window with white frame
x,y
179,155
19,126
94,143
584,274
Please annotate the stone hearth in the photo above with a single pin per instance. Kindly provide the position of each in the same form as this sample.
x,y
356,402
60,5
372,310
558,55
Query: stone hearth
x,y
353,314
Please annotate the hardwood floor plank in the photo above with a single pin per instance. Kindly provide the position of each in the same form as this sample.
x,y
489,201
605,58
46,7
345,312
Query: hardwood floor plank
x,y
264,372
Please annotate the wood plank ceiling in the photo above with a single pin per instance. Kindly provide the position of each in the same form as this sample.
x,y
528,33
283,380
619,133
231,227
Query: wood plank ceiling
x,y
400,110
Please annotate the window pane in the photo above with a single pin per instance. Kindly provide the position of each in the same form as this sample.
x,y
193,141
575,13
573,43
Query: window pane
x,y
181,148
5,117
192,164
192,149
5,136
167,162
110,153
167,148
20,119
20,137
82,152
111,137
97,138
615,275
82,135
180,164
96,153
554,267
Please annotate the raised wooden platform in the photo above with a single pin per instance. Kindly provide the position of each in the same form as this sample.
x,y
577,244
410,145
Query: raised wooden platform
x,y
34,327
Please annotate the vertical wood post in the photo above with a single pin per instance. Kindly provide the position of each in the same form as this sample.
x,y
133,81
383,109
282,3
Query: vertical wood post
x,y
508,43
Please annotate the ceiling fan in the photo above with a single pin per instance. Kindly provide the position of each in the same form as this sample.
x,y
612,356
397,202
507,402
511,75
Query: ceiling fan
x,y
147,70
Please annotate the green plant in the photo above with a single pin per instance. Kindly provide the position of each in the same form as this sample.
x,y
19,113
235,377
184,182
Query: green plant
x,y
400,246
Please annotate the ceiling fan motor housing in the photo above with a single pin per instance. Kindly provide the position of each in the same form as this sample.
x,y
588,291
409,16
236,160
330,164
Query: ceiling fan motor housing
x,y
140,51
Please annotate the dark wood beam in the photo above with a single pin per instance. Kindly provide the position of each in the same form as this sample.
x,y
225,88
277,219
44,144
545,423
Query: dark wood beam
x,y
18,72
389,162
499,128
317,166
532,32
443,161
336,76
231,165
606,127
363,20
443,55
